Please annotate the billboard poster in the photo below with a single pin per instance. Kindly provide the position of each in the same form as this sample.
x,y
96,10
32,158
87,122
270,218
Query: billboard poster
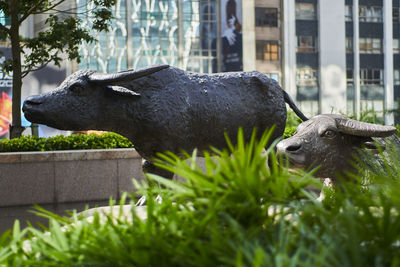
x,y
231,30
5,95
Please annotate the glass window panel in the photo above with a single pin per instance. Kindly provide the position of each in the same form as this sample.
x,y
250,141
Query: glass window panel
x,y
395,14
305,44
396,45
154,35
348,13
273,76
266,17
370,14
371,77
349,44
396,75
305,11
370,45
267,50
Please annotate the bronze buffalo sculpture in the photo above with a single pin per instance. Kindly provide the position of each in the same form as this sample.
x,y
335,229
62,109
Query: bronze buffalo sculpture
x,y
332,142
163,108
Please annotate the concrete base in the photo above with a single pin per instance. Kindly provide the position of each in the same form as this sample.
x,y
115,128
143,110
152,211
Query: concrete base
x,y
62,180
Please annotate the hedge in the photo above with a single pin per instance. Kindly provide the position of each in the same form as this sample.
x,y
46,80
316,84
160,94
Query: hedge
x,y
60,142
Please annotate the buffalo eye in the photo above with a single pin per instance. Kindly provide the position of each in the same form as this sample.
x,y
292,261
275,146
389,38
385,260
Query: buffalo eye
x,y
77,89
329,134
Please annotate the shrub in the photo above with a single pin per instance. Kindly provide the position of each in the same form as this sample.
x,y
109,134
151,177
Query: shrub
x,y
220,216
235,212
60,142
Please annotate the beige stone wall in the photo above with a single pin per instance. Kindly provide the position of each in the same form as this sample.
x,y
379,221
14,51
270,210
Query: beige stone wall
x,y
268,3
270,34
67,176
268,66
63,180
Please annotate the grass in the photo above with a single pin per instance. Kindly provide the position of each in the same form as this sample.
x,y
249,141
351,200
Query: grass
x,y
236,211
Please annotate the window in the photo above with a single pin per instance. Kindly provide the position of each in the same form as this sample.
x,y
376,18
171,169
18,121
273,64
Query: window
x,y
349,45
371,77
267,50
273,76
349,78
307,83
370,45
370,14
307,76
396,46
4,20
306,44
348,13
305,11
266,17
396,77
395,14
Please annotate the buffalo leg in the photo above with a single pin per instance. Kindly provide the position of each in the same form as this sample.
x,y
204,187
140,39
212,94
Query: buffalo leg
x,y
149,167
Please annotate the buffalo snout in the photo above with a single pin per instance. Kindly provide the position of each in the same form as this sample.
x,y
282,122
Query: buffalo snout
x,y
32,101
286,146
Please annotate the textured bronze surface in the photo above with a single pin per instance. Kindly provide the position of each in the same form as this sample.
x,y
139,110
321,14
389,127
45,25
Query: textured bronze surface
x,y
162,108
331,141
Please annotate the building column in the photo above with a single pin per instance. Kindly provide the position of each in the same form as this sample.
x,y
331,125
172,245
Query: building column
x,y
388,61
181,44
332,56
129,43
219,38
249,36
356,64
289,47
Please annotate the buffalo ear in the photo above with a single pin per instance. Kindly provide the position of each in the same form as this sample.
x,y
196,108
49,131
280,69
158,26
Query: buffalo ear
x,y
122,91
374,146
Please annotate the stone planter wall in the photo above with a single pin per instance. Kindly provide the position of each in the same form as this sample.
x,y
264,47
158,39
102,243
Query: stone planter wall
x,y
63,179
66,176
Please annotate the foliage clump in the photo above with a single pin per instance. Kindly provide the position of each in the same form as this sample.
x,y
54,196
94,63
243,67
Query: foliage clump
x,y
60,142
236,211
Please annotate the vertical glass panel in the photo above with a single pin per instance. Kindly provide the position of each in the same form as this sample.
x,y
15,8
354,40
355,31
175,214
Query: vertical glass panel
x,y
349,45
348,13
307,83
154,36
396,45
370,14
305,11
107,55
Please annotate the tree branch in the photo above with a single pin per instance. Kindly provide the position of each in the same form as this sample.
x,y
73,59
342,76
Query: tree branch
x,y
27,71
4,28
72,10
52,7
30,11
33,9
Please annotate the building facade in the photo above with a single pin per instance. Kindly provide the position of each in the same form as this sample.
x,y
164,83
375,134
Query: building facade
x,y
334,56
144,32
331,56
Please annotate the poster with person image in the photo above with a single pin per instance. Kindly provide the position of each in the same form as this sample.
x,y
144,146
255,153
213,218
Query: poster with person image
x,y
231,30
5,94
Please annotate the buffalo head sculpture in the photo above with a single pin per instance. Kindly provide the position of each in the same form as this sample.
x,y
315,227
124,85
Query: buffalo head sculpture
x,y
331,141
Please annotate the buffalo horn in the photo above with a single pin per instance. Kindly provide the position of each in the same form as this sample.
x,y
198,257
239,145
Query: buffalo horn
x,y
123,76
358,128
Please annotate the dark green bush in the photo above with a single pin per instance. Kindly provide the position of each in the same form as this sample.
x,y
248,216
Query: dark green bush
x,y
289,131
60,142
292,119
